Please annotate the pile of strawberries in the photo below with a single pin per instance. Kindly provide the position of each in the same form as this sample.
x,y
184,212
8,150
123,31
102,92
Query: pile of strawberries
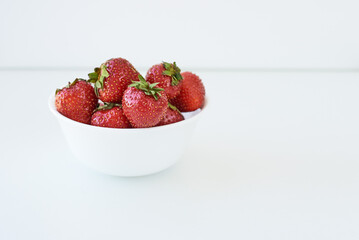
x,y
121,98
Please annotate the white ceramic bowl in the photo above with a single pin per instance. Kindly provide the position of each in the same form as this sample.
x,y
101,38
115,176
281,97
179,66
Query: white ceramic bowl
x,y
127,152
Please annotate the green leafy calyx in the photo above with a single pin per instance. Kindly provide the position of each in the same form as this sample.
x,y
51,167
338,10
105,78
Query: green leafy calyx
x,y
70,84
173,107
107,106
172,71
98,76
148,89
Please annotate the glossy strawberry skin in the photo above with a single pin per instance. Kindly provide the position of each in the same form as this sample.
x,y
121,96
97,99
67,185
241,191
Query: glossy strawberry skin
x,y
111,118
155,74
77,102
143,110
121,74
171,116
192,93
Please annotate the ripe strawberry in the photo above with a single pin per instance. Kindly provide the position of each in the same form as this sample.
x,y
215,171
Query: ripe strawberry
x,y
168,77
112,79
192,93
110,115
76,101
172,115
143,104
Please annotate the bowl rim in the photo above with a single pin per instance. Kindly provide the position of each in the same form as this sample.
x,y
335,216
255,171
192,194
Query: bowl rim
x,y
51,105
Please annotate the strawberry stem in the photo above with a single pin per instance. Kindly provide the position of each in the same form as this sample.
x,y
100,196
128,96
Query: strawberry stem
x,y
98,76
148,89
70,84
172,71
107,106
173,107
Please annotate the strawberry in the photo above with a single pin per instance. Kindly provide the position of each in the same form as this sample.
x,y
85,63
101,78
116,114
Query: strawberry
x,y
110,115
112,78
172,115
76,101
143,104
168,77
192,93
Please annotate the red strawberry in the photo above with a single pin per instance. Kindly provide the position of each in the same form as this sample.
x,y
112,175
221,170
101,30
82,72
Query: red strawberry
x,y
172,115
143,104
168,77
192,93
110,115
112,79
76,101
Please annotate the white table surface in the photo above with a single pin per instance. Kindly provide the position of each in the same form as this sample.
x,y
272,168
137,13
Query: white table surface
x,y
276,156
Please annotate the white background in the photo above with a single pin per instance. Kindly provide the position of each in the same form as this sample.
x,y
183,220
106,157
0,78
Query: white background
x,y
275,155
197,34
